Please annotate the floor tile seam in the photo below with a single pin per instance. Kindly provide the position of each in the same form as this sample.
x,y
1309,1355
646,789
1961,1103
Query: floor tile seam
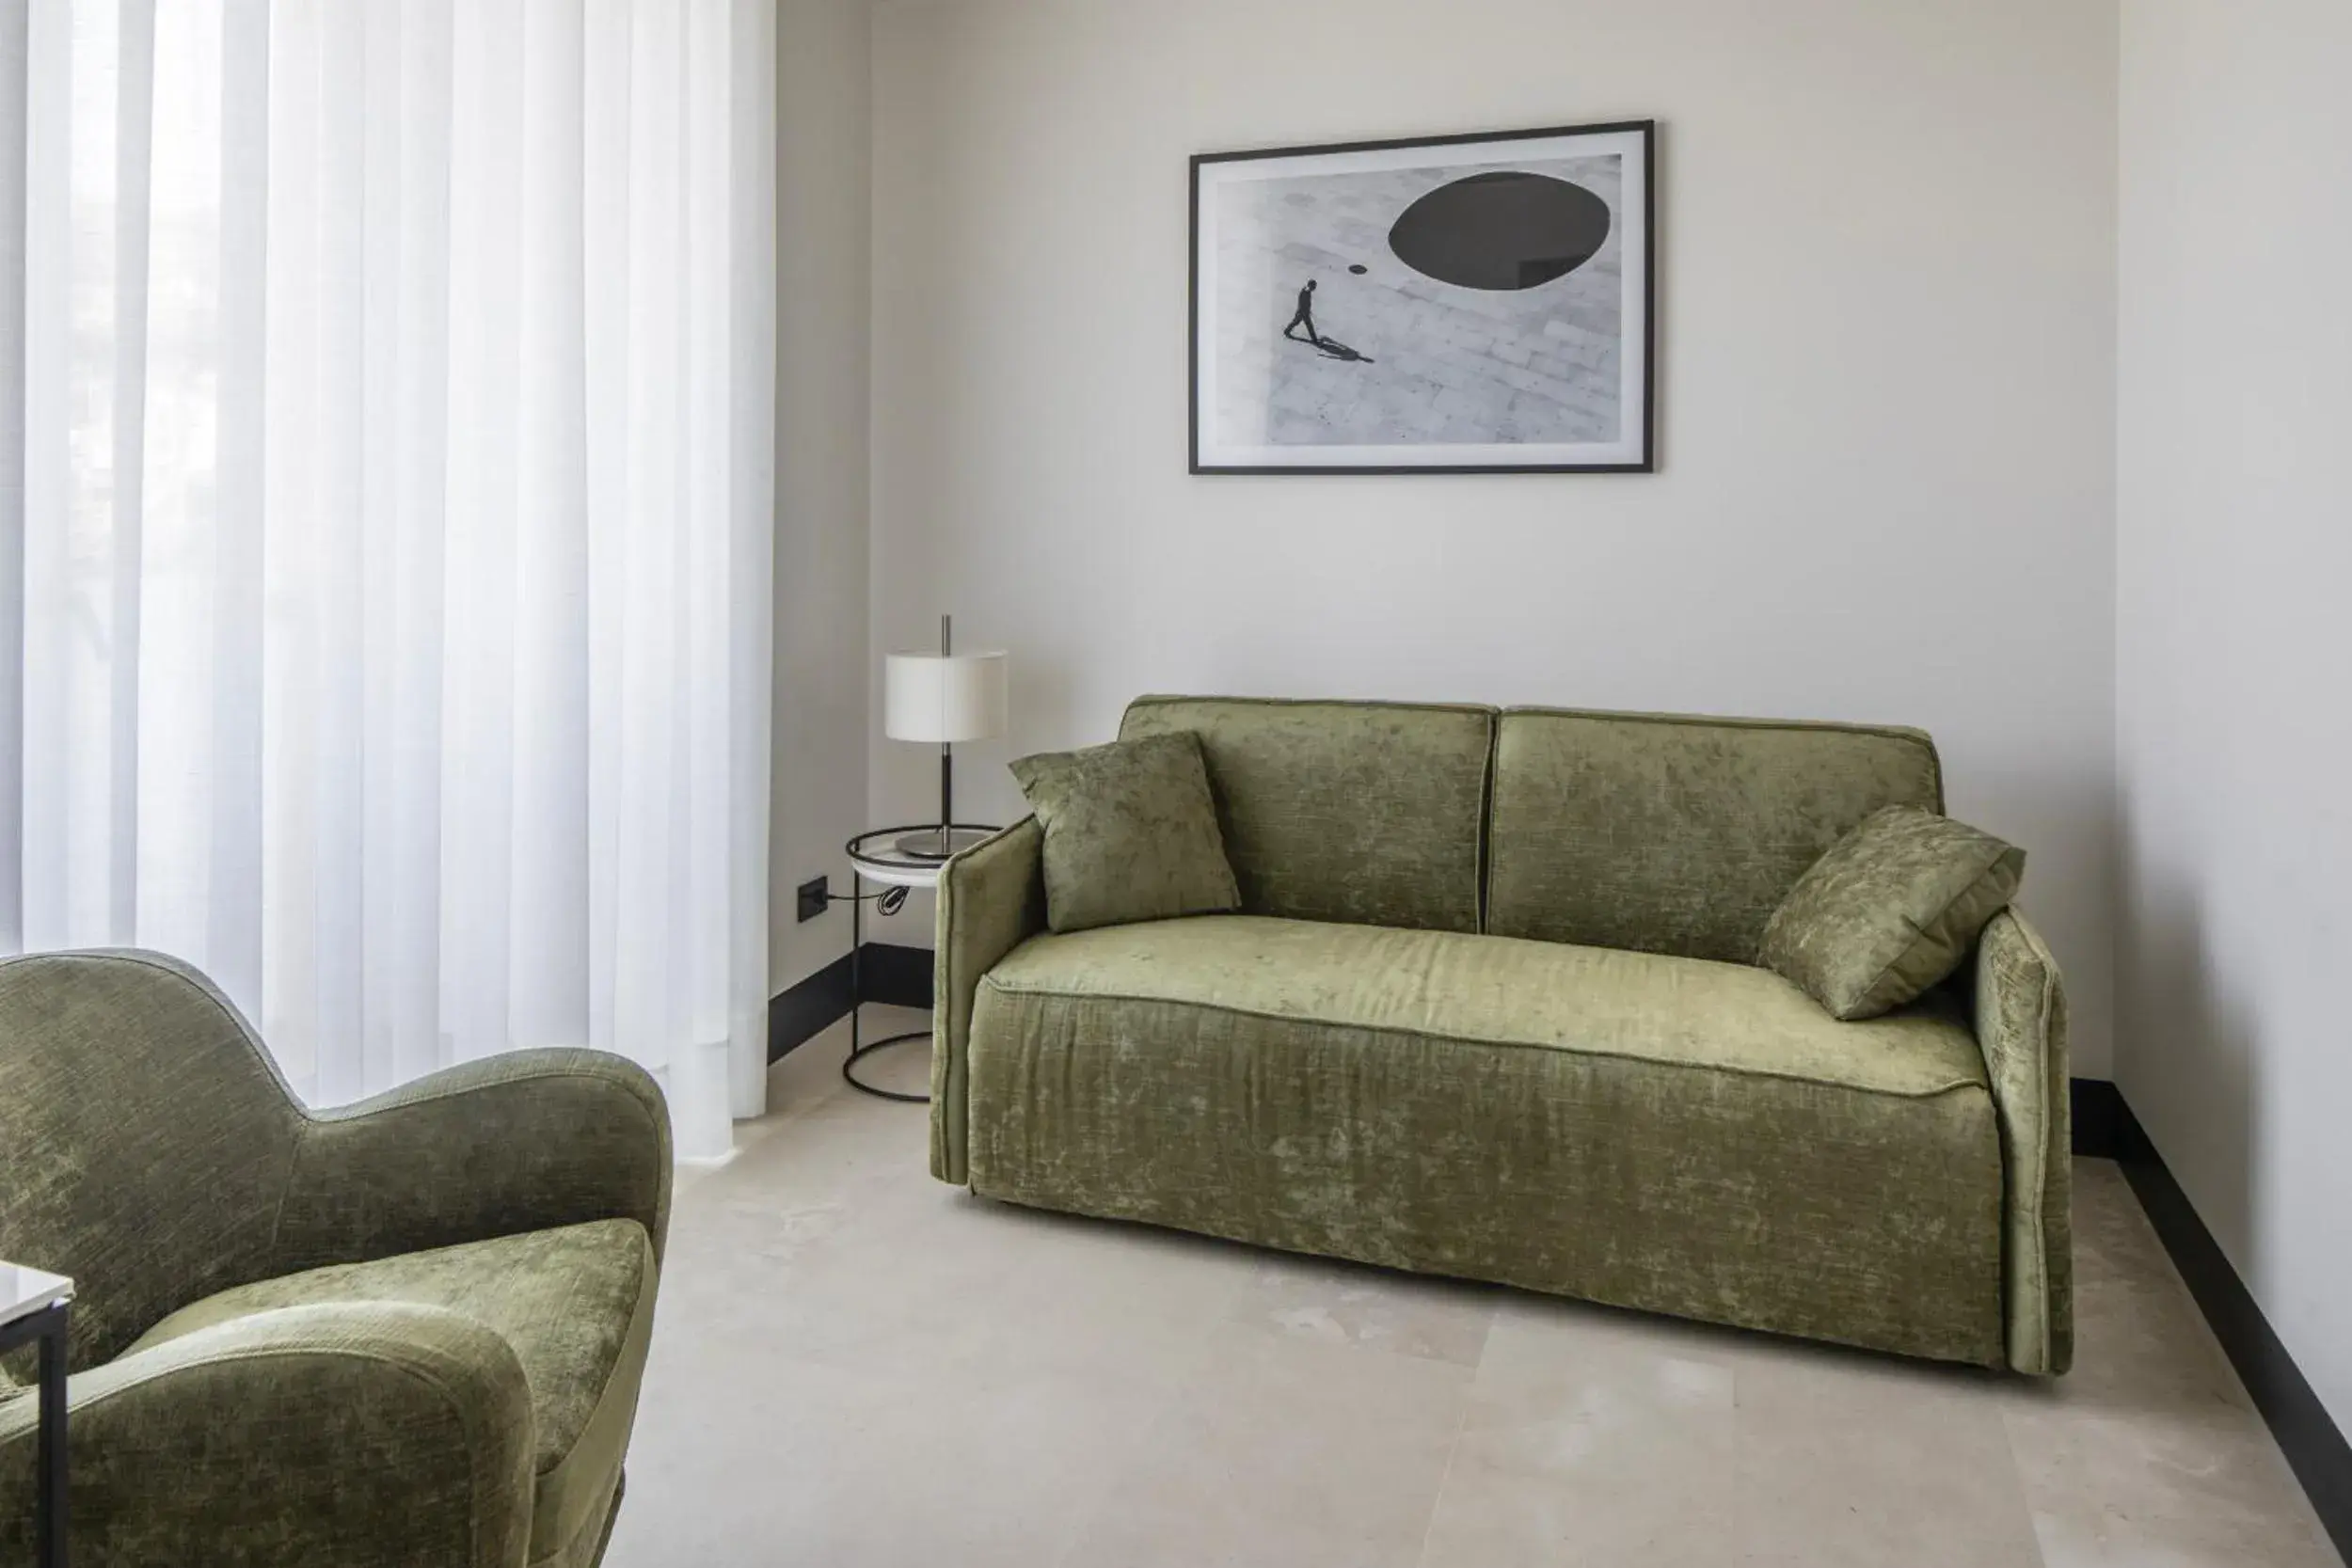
x,y
1445,1472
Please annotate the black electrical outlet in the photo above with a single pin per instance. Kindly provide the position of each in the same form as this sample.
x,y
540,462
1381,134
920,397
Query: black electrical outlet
x,y
814,898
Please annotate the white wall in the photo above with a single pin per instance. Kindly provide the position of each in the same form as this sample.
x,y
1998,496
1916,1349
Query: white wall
x,y
1887,332
824,164
2234,548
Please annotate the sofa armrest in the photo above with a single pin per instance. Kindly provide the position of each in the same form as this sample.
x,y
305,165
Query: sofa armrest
x,y
2021,1027
992,898
523,1141
351,1433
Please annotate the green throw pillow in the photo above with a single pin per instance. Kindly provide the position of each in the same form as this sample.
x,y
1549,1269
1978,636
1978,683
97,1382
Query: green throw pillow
x,y
1890,910
1131,833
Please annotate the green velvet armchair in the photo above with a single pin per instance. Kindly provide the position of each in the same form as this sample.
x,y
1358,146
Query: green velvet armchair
x,y
409,1332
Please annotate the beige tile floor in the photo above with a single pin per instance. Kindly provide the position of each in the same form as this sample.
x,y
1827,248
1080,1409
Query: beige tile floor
x,y
855,1365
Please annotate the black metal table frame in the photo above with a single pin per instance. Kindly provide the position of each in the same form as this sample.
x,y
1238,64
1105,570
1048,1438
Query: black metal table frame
x,y
888,900
48,1327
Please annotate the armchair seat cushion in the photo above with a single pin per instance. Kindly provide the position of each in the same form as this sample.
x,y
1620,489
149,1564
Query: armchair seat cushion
x,y
576,1303
1678,1133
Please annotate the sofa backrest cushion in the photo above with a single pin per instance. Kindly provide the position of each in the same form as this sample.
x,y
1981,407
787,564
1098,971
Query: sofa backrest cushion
x,y
1365,813
1670,835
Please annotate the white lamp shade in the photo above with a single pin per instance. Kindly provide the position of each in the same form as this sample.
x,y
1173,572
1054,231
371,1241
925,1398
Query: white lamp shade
x,y
944,698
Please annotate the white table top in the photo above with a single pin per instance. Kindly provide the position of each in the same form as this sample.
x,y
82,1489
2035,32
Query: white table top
x,y
878,860
24,1291
898,873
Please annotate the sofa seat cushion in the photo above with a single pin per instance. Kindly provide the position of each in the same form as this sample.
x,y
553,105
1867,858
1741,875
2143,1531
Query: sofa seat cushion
x,y
1673,1133
576,1303
1643,1008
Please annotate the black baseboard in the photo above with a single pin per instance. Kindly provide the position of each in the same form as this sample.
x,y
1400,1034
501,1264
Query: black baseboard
x,y
900,977
2105,1128
2307,1434
2098,1114
801,1013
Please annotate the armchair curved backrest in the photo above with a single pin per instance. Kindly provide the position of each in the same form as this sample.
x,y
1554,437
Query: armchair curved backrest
x,y
147,1137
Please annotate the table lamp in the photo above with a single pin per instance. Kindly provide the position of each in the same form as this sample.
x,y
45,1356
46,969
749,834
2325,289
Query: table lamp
x,y
943,698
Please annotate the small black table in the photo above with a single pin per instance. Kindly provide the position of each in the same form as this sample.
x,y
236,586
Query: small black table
x,y
33,1307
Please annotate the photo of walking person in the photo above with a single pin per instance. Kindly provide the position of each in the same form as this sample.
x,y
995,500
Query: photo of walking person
x,y
1305,315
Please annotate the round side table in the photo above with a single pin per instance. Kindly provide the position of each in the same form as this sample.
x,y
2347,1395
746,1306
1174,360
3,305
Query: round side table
x,y
878,858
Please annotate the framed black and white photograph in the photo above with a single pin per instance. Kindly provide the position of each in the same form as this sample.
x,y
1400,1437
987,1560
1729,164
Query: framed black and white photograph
x,y
1476,304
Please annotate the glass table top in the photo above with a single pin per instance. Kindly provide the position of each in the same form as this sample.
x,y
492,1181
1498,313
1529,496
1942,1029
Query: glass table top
x,y
24,1291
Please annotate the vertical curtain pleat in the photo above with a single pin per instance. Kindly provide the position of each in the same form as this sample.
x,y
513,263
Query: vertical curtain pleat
x,y
609,61
231,945
407,871
173,593
342,784
384,601
15,94
135,141
292,543
550,891
706,508
376,25
749,353
484,425
60,254
647,999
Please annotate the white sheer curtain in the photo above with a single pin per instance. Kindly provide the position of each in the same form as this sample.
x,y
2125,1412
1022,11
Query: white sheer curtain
x,y
385,433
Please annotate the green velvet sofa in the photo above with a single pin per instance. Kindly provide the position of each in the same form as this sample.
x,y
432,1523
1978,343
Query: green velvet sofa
x,y
410,1332
1490,1012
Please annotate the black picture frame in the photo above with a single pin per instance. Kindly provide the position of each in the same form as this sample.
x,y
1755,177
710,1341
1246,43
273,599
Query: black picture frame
x,y
1479,458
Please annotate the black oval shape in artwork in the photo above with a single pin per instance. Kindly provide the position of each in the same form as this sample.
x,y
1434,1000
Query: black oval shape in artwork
x,y
1507,229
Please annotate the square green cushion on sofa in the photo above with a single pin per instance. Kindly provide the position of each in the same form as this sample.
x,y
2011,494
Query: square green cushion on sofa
x,y
1890,910
1131,833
